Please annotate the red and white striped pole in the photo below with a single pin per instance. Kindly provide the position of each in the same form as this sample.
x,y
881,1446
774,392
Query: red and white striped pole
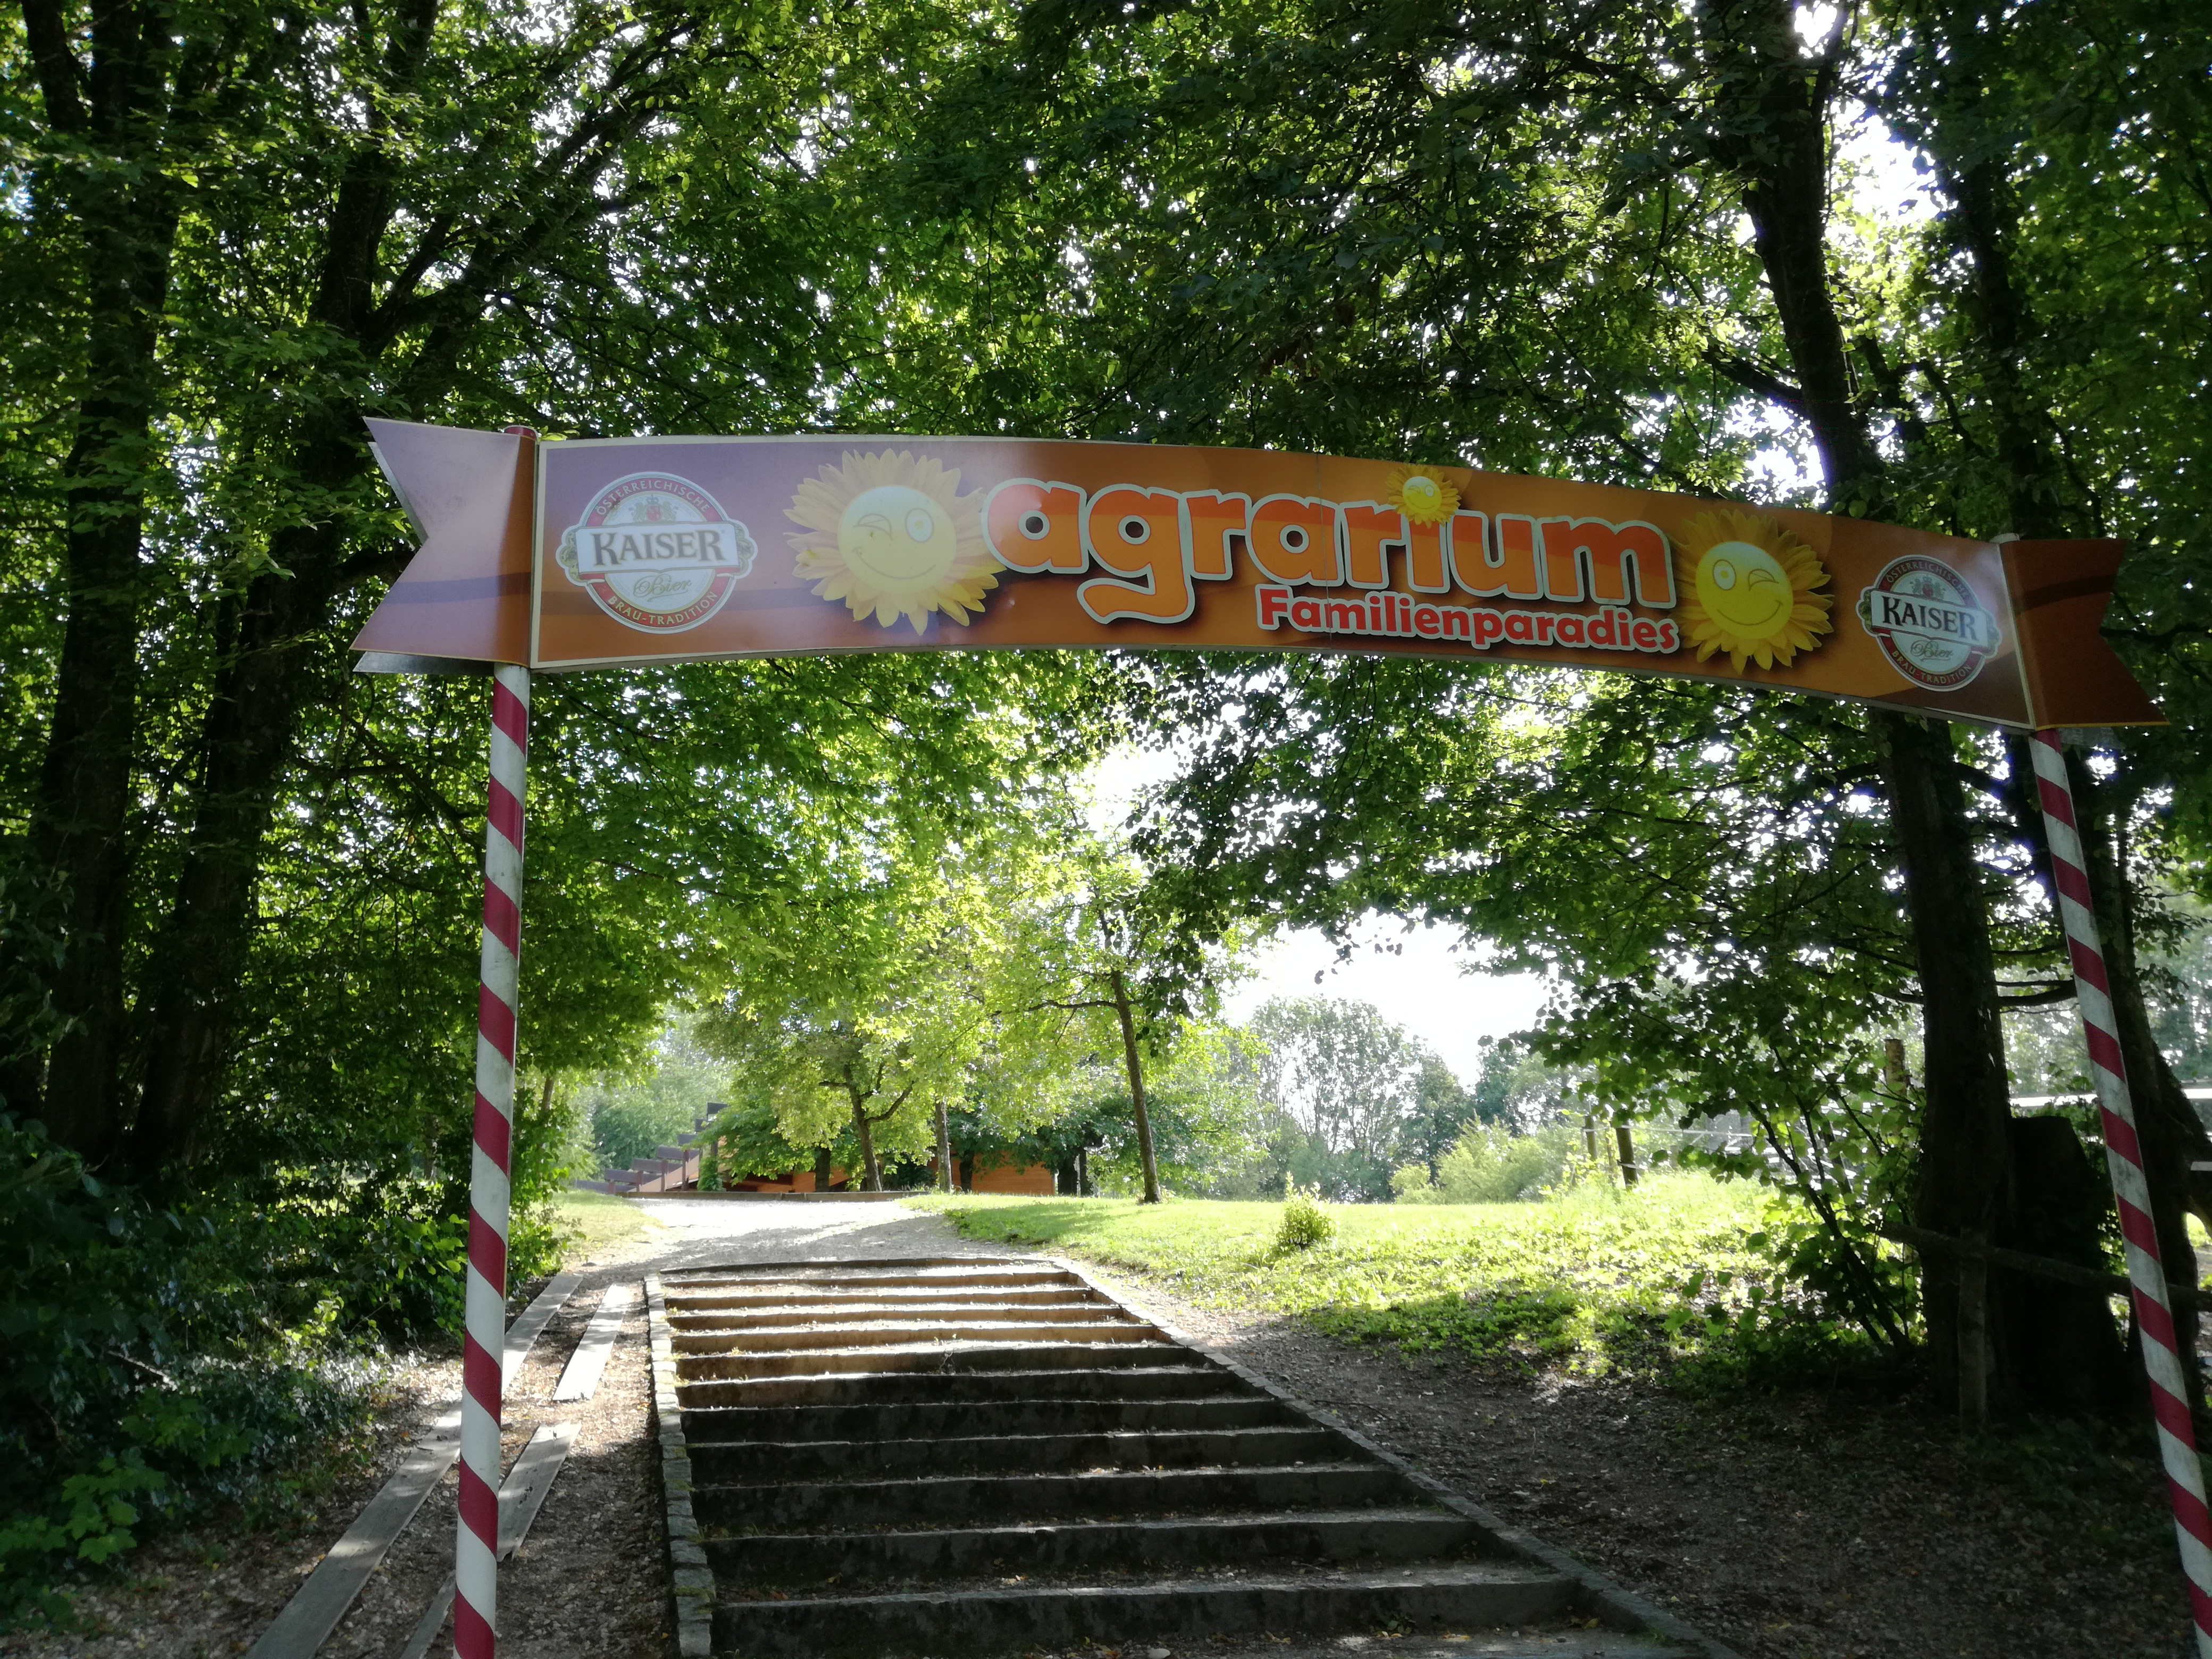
x,y
2169,1392
476,1549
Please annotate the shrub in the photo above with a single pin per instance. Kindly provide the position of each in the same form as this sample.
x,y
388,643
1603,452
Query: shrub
x,y
1305,1223
163,1361
1410,1184
1492,1165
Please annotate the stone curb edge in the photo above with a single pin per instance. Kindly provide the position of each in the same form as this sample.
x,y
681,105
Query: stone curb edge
x,y
1624,1610
691,1592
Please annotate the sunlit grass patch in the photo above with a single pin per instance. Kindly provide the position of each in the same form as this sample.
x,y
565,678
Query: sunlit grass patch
x,y
593,1221
1588,1281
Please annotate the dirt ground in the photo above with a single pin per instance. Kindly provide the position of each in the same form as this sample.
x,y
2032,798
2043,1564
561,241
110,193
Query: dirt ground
x,y
1833,1525
1826,1525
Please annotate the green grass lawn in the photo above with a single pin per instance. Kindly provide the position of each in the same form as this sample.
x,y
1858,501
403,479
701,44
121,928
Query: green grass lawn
x,y
593,1221
1587,1281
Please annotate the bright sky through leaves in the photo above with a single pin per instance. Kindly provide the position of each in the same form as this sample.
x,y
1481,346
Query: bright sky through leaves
x,y
1424,986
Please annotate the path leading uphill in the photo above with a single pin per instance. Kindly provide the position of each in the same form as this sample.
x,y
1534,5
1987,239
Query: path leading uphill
x,y
1826,1527
948,1456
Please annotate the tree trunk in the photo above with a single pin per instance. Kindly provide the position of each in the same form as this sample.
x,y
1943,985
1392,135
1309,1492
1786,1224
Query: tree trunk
x,y
2173,1136
1973,154
2032,477
1624,1140
80,827
1965,1181
267,674
265,639
2067,1351
822,1169
1773,136
864,1131
123,209
136,94
1136,1087
1971,1301
943,1149
248,731
2051,1216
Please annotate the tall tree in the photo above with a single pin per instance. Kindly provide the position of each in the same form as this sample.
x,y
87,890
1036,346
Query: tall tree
x,y
1628,137
1442,1107
1351,1078
1290,276
234,231
282,220
1107,969
1768,131
127,107
881,993
2062,143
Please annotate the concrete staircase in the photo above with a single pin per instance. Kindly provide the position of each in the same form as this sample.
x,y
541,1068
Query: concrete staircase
x,y
963,1456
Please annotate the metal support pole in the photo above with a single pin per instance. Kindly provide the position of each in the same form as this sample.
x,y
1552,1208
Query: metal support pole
x,y
2169,1393
476,1550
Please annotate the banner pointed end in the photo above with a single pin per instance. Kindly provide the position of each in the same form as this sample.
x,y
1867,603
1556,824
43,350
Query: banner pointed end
x,y
2060,591
465,594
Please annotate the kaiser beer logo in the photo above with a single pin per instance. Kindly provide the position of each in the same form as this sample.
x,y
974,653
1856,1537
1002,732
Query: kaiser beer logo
x,y
658,553
1927,621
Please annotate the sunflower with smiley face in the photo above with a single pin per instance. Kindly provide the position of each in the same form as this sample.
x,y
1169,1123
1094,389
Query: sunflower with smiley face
x,y
1422,494
893,536
1748,589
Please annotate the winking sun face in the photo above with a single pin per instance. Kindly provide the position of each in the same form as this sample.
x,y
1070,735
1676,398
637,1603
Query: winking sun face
x,y
1421,496
1749,589
892,537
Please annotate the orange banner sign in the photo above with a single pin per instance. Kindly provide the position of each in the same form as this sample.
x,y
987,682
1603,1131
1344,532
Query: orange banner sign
x,y
610,552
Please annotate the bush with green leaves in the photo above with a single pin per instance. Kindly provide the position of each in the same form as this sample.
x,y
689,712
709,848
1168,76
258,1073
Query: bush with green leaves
x,y
164,1361
1492,1165
1305,1222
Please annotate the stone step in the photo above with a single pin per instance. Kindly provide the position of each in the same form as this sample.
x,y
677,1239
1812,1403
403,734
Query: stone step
x,y
868,1316
732,1463
1138,1377
803,1296
900,1333
1004,1274
789,1561
944,1476
797,1292
972,1622
1045,1497
1002,1295
810,1284
983,1357
1580,1643
847,1271
964,1420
